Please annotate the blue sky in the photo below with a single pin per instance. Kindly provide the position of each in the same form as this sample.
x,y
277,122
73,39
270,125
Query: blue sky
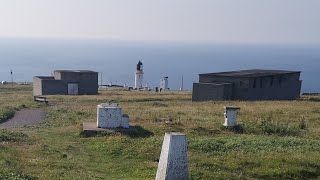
x,y
213,21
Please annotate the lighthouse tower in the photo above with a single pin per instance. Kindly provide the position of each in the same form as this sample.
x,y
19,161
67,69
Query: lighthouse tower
x,y
139,76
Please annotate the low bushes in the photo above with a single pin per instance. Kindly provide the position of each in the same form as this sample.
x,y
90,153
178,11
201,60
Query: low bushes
x,y
6,135
267,127
6,113
17,176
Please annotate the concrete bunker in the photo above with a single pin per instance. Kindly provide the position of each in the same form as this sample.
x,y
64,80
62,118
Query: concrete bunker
x,y
66,82
256,84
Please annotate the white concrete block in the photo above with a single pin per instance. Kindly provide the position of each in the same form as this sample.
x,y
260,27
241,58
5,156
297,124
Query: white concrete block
x,y
173,164
125,121
110,116
230,116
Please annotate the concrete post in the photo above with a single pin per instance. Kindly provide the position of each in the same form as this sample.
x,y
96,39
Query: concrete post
x,y
173,164
230,116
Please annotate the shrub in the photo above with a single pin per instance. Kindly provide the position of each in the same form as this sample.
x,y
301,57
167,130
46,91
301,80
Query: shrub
x,y
6,113
17,176
275,128
6,135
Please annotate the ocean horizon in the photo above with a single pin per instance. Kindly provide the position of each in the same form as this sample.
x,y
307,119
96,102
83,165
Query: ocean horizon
x,y
116,60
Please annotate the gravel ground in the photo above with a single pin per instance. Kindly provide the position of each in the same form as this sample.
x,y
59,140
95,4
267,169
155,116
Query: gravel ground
x,y
25,117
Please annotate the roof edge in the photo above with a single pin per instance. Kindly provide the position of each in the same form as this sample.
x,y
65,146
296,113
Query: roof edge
x,y
270,70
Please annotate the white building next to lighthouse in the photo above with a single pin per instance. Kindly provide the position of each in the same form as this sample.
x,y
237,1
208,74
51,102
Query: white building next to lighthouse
x,y
164,84
139,76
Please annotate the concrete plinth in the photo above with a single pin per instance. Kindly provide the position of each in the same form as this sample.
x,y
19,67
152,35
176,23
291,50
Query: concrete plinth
x,y
110,116
230,116
92,127
173,164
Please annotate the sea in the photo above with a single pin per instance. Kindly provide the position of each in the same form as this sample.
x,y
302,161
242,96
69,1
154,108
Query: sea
x,y
180,62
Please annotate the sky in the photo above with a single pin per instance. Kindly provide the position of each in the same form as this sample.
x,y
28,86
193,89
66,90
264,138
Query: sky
x,y
209,21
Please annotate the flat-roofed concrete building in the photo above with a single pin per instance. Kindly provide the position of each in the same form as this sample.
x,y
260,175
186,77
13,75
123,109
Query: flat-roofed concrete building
x,y
66,82
256,84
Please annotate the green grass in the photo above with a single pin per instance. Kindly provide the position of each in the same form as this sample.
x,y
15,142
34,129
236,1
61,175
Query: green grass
x,y
274,139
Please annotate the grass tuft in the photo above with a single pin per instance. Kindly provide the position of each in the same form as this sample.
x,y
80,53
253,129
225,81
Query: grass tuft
x,y
159,104
16,176
11,136
267,127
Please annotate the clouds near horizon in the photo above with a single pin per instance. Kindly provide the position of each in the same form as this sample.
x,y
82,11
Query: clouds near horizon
x,y
216,21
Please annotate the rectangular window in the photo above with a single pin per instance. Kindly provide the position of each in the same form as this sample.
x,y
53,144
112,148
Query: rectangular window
x,y
254,83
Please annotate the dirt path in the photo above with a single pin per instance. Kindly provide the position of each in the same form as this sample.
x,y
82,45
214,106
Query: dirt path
x,y
25,117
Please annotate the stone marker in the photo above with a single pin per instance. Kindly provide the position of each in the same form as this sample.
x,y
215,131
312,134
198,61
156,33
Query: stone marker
x,y
110,116
173,164
230,115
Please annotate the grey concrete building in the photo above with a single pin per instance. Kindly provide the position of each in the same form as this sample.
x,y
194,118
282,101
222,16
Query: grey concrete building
x,y
66,82
253,84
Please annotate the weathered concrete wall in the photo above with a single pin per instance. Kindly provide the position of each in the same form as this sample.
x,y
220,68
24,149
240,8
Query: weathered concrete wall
x,y
57,75
289,92
277,87
54,87
88,83
228,91
58,84
215,79
67,76
210,91
37,86
43,85
273,87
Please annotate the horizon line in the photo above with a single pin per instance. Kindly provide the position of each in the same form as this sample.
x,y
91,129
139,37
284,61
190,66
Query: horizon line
x,y
174,42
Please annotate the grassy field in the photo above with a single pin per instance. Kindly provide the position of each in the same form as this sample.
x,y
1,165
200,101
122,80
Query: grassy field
x,y
275,139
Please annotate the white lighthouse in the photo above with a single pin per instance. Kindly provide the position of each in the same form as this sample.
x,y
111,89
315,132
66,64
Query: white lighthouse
x,y
139,76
